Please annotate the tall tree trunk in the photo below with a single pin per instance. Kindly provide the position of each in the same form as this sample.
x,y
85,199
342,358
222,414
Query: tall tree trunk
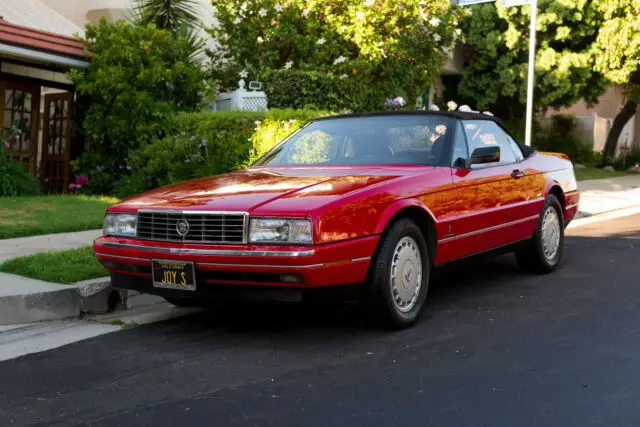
x,y
625,114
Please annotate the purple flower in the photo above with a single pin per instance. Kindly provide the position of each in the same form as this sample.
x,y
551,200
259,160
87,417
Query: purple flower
x,y
204,142
81,180
183,133
395,102
187,161
400,102
128,167
193,138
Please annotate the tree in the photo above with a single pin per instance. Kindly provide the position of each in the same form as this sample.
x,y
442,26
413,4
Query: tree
x,y
382,42
167,14
498,38
137,77
177,16
618,58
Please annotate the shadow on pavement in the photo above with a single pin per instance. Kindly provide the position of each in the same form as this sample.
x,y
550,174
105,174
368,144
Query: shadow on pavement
x,y
478,280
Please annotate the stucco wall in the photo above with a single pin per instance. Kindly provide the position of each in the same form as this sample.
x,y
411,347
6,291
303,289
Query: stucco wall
x,y
608,105
600,117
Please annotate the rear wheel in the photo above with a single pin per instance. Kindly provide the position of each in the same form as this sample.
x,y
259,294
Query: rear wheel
x,y
399,276
543,252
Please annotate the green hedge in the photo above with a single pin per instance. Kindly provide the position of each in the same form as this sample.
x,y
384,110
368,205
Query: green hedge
x,y
323,91
207,143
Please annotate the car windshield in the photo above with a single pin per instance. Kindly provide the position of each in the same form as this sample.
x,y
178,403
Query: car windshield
x,y
385,139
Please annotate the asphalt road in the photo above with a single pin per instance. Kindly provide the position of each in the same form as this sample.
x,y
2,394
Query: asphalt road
x,y
495,348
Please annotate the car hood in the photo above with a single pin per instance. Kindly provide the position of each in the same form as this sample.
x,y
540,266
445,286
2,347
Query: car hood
x,y
249,190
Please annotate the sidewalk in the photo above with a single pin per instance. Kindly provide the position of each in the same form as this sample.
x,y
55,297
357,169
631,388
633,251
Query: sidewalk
x,y
12,248
605,195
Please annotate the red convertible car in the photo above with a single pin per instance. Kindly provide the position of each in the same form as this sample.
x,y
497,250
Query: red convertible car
x,y
374,200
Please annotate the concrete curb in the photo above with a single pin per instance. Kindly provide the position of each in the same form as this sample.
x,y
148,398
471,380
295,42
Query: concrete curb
x,y
38,301
603,216
40,306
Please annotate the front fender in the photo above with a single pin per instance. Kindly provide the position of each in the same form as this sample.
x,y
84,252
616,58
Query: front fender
x,y
396,207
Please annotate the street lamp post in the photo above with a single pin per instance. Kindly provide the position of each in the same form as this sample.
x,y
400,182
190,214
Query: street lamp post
x,y
532,54
531,71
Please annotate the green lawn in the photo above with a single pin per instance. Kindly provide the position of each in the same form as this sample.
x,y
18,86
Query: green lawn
x,y
68,266
29,216
583,174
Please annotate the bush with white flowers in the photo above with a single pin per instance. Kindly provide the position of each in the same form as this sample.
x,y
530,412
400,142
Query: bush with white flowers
x,y
394,48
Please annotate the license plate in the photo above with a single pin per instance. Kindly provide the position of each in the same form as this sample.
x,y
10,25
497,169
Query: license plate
x,y
174,275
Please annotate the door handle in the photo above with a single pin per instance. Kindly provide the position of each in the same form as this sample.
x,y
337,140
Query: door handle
x,y
517,174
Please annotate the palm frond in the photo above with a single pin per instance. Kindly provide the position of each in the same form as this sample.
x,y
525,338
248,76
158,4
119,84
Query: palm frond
x,y
167,14
194,44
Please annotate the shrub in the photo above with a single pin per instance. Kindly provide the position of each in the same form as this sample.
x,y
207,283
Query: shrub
x,y
15,180
137,78
206,143
324,91
378,44
632,159
559,137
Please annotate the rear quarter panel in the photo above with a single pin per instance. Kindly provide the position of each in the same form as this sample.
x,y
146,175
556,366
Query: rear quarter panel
x,y
546,170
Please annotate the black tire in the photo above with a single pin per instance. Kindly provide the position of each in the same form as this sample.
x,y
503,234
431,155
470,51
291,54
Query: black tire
x,y
183,302
379,301
530,255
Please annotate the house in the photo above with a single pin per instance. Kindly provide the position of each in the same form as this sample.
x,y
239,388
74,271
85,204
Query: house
x,y
37,49
595,121
35,95
82,12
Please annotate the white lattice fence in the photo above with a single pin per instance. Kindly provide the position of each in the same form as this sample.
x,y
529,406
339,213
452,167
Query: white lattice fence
x,y
241,99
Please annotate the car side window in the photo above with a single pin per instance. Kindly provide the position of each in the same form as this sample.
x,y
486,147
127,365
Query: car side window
x,y
460,149
482,133
515,147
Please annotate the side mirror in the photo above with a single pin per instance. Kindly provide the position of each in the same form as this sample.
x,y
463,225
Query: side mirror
x,y
484,155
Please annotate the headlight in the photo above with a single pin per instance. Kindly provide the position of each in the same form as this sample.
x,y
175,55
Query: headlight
x,y
280,230
120,225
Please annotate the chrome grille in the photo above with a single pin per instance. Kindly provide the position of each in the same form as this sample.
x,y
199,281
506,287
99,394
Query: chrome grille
x,y
203,227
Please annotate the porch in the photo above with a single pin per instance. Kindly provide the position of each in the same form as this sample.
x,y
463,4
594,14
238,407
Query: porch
x,y
37,101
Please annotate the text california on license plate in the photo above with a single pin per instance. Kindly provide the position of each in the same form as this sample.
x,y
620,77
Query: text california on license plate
x,y
173,275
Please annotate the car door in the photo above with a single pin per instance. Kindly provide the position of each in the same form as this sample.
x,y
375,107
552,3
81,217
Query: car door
x,y
489,197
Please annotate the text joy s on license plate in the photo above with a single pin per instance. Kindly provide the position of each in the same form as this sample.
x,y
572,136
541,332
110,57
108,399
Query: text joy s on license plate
x,y
174,275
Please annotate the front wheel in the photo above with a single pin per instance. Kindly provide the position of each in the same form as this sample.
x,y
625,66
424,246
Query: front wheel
x,y
399,276
543,252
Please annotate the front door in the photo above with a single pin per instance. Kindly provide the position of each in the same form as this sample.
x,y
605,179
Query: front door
x,y
490,198
19,111
56,139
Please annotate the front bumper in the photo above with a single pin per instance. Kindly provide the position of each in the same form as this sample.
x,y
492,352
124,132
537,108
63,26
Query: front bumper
x,y
339,263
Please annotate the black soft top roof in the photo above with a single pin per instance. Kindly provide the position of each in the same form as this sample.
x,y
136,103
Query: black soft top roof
x,y
455,114
527,151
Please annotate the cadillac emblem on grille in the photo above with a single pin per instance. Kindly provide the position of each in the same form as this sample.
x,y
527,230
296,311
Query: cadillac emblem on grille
x,y
182,227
